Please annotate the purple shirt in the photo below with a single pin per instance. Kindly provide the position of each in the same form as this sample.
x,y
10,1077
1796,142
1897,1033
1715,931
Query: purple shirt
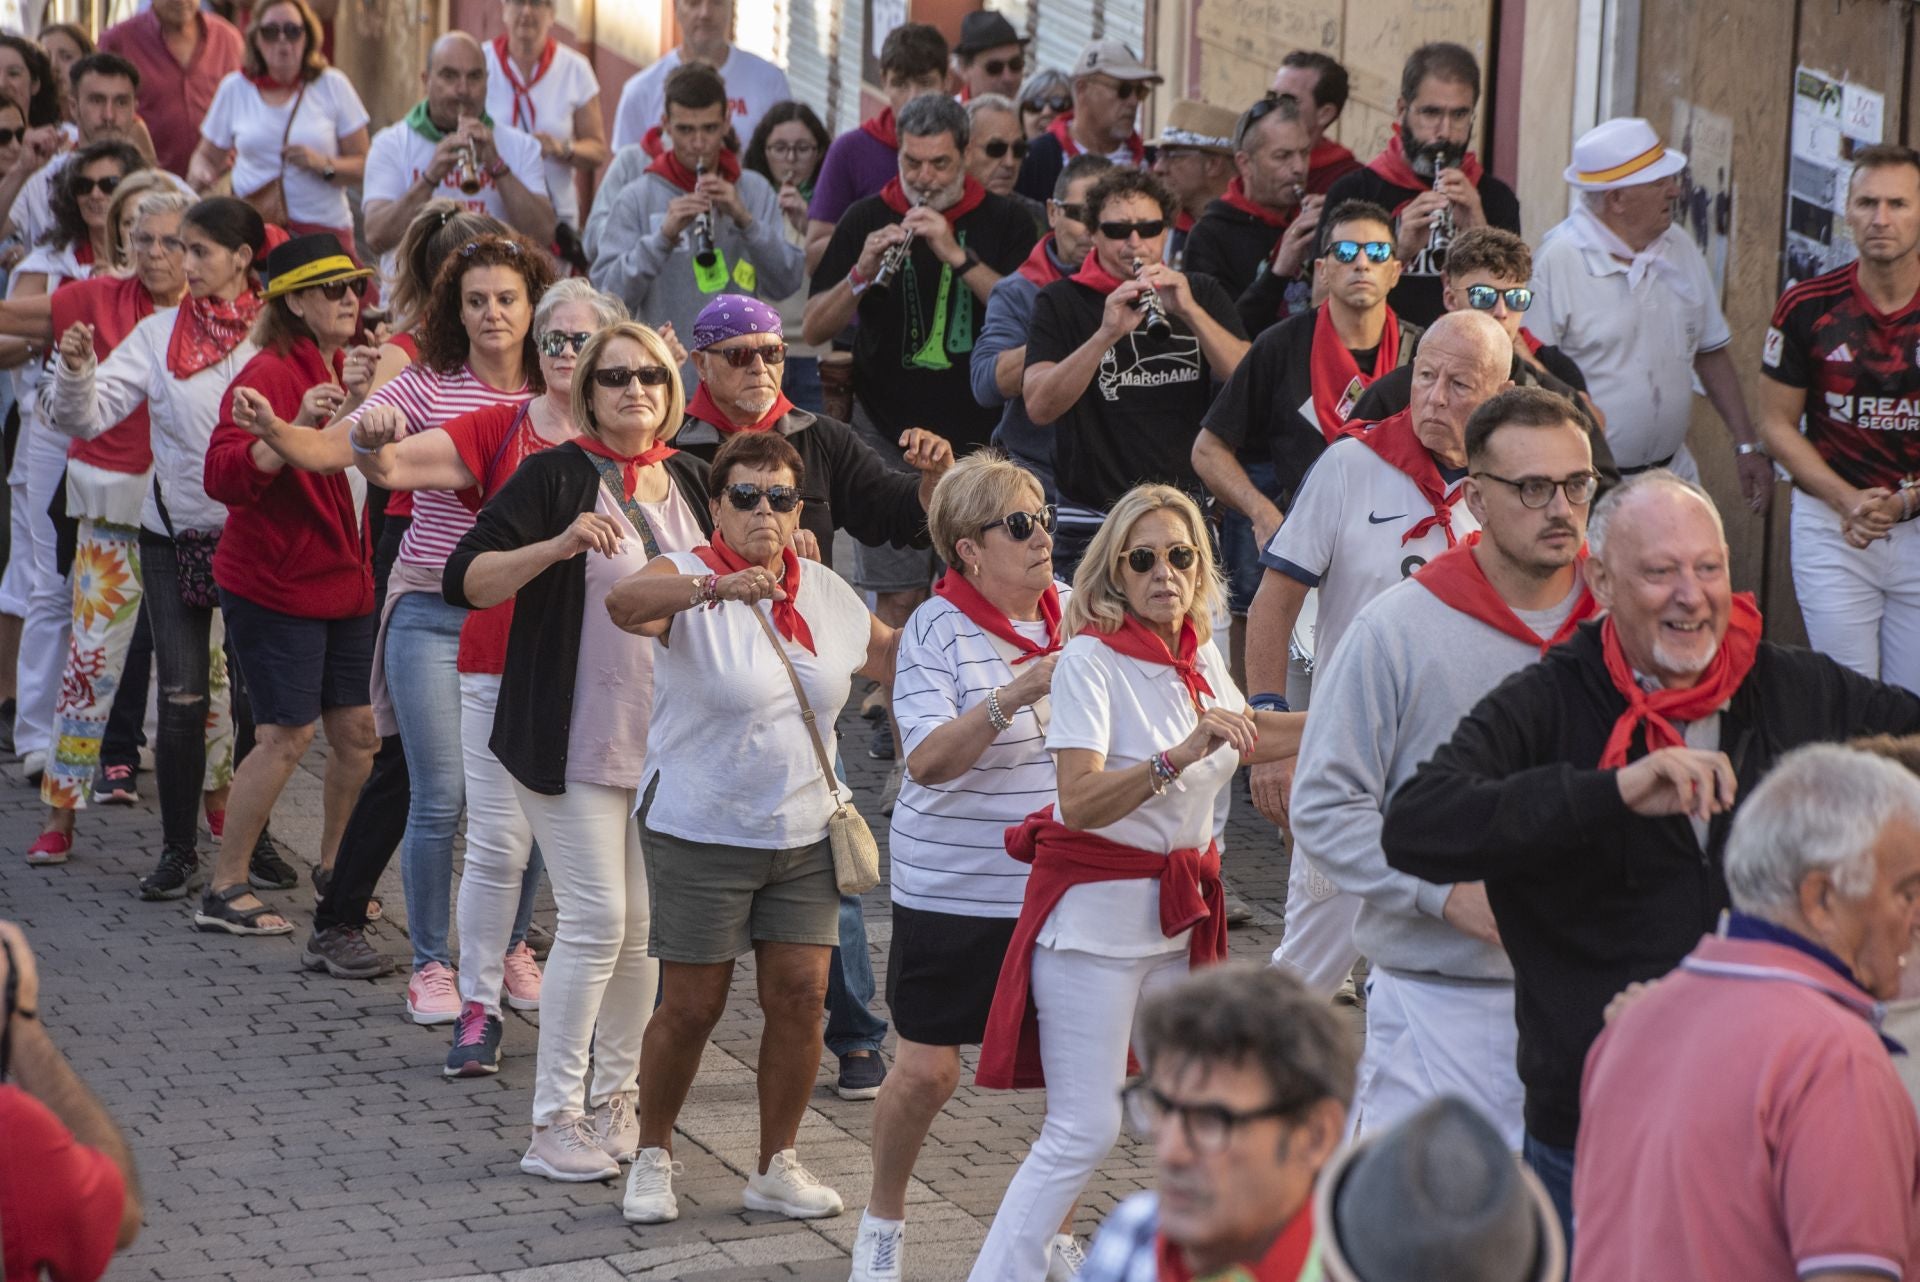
x,y
858,165
173,99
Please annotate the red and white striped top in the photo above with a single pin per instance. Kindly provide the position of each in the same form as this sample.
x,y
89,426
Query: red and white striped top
x,y
429,400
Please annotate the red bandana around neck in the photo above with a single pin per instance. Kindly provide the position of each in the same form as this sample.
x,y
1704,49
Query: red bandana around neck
x,y
1062,129
1137,641
959,590
1287,1260
630,464
1236,197
1395,441
206,329
704,409
265,80
1533,344
882,129
1336,377
1456,577
668,166
1040,267
1094,276
1326,152
653,142
1392,165
722,559
970,197
1183,221
523,92
1659,709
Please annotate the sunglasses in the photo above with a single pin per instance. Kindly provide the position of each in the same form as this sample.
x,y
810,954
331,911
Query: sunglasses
x,y
1345,251
334,290
743,357
1055,105
1266,107
617,378
10,136
745,498
1000,147
1179,556
87,186
1482,298
1148,229
1016,65
555,342
1078,213
1126,90
1021,525
275,32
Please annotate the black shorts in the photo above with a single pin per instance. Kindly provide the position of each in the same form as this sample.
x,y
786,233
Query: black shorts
x,y
297,668
942,969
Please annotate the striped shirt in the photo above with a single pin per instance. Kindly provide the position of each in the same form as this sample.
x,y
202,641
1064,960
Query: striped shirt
x,y
948,845
428,400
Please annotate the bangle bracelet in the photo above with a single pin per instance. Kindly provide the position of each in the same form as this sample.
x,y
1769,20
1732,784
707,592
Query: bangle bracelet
x,y
1001,721
360,449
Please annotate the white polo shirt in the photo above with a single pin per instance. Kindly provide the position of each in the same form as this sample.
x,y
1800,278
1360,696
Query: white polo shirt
x,y
1635,343
1344,535
400,154
568,85
753,86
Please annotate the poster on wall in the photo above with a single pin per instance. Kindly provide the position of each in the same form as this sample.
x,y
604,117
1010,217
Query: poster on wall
x,y
1832,119
882,16
1706,186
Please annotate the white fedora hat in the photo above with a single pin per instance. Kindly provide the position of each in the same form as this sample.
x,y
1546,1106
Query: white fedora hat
x,y
1621,153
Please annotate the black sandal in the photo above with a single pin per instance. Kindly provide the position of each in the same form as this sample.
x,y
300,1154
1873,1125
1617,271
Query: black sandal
x,y
323,877
217,913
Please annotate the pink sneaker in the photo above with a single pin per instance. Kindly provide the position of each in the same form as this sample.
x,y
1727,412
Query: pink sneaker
x,y
523,978
433,995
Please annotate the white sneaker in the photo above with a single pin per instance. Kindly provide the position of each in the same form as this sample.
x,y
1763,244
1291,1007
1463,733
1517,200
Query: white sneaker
x,y
790,1189
568,1151
877,1249
1066,1259
617,1127
650,1197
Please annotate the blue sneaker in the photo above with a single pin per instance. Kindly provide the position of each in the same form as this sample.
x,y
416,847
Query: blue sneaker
x,y
476,1043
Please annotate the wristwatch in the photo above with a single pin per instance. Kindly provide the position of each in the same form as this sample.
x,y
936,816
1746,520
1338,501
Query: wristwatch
x,y
1745,448
329,172
967,264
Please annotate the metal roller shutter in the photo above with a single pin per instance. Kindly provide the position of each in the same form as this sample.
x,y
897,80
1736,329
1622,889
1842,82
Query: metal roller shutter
x,y
1062,28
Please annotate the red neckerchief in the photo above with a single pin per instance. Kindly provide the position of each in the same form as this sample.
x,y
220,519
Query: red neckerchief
x,y
630,464
1094,276
882,129
1183,221
1533,344
1659,709
706,411
653,142
83,252
1039,267
1337,378
206,329
1395,441
1062,129
1393,166
1137,641
1456,577
1285,1261
722,559
970,197
1236,197
523,92
265,80
1326,152
668,166
959,590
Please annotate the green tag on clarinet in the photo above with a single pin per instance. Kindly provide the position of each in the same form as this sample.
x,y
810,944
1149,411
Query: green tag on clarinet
x,y
710,271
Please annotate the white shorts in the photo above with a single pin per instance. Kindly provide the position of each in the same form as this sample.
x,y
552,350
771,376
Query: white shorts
x,y
1428,1038
1861,605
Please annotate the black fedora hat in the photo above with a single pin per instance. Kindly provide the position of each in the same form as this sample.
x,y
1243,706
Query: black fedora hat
x,y
986,29
305,261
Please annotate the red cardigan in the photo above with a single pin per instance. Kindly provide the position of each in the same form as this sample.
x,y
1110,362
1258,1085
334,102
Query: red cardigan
x,y
292,542
113,305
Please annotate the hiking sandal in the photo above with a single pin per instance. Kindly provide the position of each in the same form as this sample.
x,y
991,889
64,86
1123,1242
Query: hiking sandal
x,y
217,913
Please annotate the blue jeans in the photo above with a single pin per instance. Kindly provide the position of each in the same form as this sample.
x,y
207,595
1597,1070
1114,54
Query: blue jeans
x,y
801,383
850,1025
1554,1166
1239,553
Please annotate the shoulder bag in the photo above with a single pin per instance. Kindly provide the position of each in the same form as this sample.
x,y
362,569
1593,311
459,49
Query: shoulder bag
x,y
270,200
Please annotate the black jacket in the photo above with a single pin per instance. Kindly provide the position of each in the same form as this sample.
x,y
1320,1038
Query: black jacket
x,y
1589,896
539,501
1230,245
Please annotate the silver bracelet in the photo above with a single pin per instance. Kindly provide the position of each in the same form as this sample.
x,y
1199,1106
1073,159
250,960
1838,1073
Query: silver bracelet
x,y
1001,721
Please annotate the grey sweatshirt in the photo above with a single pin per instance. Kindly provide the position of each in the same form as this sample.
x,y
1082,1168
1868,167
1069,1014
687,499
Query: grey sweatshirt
x,y
1407,670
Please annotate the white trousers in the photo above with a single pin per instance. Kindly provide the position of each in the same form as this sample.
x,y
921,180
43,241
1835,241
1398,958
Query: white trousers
x,y
49,603
499,846
1426,1039
1318,943
600,983
1086,1005
1861,605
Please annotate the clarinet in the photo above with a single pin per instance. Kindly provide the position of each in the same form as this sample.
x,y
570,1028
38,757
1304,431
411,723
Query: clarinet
x,y
703,247
1153,314
895,258
1440,230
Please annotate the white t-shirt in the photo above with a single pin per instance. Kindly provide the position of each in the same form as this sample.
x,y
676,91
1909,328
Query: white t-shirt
x,y
753,86
241,120
1128,710
1635,345
400,154
947,849
1344,535
735,762
568,86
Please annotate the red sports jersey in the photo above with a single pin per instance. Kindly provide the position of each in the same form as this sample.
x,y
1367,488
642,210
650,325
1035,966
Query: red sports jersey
x,y
1861,372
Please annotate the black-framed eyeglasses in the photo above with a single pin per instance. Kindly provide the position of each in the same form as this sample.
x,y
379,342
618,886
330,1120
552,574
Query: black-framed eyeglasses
x,y
1055,105
1207,1128
334,290
743,357
1021,525
792,150
8,137
1016,64
1345,251
1537,491
556,341
1482,298
1142,560
745,498
1147,227
616,378
1000,147
276,32
84,186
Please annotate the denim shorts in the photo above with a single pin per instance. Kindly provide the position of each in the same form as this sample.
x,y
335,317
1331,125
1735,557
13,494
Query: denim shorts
x,y
297,668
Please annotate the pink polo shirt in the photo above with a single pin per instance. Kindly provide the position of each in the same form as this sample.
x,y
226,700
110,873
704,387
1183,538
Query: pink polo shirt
x,y
173,99
1744,1121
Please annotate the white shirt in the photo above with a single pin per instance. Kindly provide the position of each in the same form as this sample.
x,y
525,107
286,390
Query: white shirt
x,y
948,850
568,85
1128,710
1343,535
33,208
753,86
1635,344
400,154
241,120
735,762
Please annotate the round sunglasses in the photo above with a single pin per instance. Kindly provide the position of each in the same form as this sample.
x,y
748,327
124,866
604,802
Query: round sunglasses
x,y
745,498
1021,525
1482,298
1142,560
83,186
1345,251
616,378
556,341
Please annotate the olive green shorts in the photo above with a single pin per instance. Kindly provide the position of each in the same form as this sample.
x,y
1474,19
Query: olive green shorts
x,y
713,903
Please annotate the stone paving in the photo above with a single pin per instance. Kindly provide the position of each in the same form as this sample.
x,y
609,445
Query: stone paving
x,y
289,1125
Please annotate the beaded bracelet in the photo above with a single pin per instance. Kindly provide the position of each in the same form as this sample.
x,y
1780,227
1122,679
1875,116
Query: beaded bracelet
x,y
995,714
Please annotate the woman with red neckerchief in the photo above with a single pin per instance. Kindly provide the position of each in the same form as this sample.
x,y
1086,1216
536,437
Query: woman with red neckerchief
x,y
1124,894
549,91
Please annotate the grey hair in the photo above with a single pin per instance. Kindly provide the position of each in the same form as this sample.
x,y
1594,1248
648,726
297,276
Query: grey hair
x,y
989,102
607,309
1047,80
1822,808
1593,200
163,202
935,113
1620,495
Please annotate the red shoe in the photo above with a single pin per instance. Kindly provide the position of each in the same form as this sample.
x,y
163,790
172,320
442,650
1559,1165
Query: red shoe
x,y
50,848
216,822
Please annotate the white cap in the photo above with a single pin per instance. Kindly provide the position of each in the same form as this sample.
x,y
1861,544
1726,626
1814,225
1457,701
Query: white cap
x,y
1621,153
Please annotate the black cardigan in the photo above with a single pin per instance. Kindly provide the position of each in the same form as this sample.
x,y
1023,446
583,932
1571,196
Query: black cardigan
x,y
1589,896
539,501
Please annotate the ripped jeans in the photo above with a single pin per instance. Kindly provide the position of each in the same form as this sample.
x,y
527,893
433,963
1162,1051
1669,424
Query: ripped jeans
x,y
193,752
